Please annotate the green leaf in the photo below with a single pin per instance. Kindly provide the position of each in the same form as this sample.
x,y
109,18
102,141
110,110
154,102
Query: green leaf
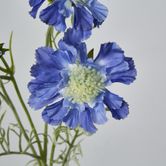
x,y
91,53
3,50
50,1
11,54
2,117
2,135
4,77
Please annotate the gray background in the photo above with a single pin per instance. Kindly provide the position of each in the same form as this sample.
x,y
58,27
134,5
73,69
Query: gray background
x,y
139,26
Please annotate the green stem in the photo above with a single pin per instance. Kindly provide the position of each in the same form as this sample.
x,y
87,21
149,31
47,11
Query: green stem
x,y
70,148
23,105
53,148
4,77
52,154
45,143
17,117
19,153
49,36
3,70
27,113
6,65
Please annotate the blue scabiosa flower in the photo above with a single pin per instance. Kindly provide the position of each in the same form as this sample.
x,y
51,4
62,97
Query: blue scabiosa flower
x,y
73,89
87,13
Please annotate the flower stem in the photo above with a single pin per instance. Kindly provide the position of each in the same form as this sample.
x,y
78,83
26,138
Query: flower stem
x,y
23,104
53,148
70,148
17,118
27,113
19,153
52,153
45,143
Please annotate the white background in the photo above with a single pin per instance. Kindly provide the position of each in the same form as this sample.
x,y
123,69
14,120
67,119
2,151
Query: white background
x,y
139,27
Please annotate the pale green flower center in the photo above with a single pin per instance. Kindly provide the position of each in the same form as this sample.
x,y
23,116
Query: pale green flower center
x,y
84,84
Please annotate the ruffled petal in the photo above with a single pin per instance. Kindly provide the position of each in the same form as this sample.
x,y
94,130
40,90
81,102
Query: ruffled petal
x,y
43,73
54,113
99,114
43,93
110,55
83,21
82,53
116,104
65,7
67,47
39,102
124,72
62,59
86,121
44,56
98,10
72,118
72,43
74,36
36,5
53,16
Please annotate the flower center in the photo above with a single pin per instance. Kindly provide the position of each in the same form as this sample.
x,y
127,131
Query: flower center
x,y
84,84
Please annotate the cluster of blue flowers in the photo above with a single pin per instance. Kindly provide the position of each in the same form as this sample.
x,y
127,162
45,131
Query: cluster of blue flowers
x,y
71,86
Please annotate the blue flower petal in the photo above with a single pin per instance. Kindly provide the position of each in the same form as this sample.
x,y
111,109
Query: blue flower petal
x,y
62,59
44,55
124,72
45,69
99,114
65,7
52,16
43,93
73,36
34,2
43,73
72,118
98,10
116,104
36,5
67,47
83,20
86,121
49,58
54,113
39,102
109,55
72,43
82,53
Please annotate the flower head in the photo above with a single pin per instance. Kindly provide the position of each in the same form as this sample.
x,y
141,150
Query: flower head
x,y
87,13
73,88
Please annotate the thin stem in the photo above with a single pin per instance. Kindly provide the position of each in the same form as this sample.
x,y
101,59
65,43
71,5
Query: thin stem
x,y
70,148
3,147
45,143
5,64
20,153
3,70
53,148
52,154
23,105
27,113
17,117
4,77
49,36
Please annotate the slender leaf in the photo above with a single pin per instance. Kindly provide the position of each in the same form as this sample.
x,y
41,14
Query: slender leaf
x,y
91,53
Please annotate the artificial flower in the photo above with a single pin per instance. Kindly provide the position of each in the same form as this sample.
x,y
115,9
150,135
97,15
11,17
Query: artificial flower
x,y
87,13
72,88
